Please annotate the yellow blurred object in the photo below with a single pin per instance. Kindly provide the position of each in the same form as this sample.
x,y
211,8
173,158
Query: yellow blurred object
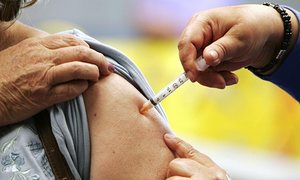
x,y
254,113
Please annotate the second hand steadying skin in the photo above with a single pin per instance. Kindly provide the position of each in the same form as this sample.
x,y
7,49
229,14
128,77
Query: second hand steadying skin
x,y
171,87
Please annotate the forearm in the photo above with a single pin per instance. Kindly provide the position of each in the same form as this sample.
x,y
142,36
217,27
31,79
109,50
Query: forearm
x,y
12,33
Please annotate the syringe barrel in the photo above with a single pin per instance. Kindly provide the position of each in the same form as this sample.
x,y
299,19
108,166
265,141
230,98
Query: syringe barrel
x,y
171,87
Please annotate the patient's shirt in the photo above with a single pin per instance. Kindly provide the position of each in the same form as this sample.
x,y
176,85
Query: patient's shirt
x,y
21,153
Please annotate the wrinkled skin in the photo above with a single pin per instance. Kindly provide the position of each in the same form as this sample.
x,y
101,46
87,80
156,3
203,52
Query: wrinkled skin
x,y
41,71
230,38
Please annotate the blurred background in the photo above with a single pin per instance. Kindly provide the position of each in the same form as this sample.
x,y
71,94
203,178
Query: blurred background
x,y
251,129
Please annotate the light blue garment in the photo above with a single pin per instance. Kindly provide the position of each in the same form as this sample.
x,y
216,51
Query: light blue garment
x,y
22,155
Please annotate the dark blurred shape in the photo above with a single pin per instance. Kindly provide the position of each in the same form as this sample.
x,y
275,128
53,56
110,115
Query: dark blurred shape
x,y
9,9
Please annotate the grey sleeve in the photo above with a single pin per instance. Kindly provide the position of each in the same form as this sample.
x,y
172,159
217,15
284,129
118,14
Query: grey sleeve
x,y
70,128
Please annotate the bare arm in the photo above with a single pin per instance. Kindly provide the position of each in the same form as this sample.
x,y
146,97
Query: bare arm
x,y
125,144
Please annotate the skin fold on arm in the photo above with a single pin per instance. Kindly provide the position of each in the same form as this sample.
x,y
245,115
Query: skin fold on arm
x,y
125,144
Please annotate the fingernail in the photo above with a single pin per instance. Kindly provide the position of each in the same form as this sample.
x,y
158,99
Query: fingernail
x,y
111,68
215,56
169,136
190,76
219,86
201,64
231,81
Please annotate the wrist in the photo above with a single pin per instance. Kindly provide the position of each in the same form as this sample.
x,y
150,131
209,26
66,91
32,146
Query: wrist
x,y
292,42
280,42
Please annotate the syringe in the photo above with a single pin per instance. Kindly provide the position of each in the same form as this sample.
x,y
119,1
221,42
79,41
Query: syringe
x,y
171,87
162,94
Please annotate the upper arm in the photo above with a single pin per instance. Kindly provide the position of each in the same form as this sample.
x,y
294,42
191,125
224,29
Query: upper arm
x,y
125,143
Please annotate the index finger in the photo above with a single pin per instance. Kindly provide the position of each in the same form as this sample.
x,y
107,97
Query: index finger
x,y
83,54
194,38
185,150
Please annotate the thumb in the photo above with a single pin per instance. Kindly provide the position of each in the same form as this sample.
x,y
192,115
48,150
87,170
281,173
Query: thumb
x,y
225,48
183,149
66,91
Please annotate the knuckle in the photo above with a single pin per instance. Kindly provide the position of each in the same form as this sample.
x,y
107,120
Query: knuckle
x,y
173,163
76,68
102,57
50,76
195,16
82,52
73,40
70,90
185,51
103,61
191,152
88,53
182,43
179,142
67,92
95,75
222,48
56,59
53,95
219,174
32,41
76,89
70,36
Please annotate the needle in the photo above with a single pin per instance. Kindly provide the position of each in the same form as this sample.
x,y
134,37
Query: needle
x,y
162,94
171,87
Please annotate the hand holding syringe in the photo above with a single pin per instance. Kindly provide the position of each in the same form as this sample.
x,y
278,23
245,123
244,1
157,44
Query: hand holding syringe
x,y
171,87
